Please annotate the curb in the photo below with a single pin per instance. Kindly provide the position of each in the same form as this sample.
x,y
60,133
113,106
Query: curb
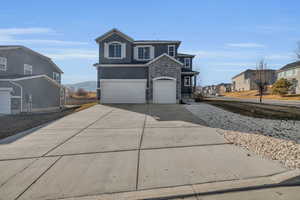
x,y
277,180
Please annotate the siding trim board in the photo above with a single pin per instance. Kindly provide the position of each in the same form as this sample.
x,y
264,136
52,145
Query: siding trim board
x,y
32,77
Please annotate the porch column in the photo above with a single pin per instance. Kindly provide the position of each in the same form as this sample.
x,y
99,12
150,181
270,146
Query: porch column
x,y
195,83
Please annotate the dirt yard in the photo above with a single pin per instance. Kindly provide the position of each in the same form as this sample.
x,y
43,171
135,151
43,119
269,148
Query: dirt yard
x,y
253,94
257,110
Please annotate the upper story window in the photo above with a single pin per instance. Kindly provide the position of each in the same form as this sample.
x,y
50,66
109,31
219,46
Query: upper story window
x,y
114,50
145,52
3,64
187,62
27,69
56,76
171,50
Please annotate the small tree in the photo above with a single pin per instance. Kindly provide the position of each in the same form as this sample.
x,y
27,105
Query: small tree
x,y
261,78
281,87
298,51
81,92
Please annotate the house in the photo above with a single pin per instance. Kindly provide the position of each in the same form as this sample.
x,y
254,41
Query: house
x,y
246,80
223,88
29,81
291,72
209,90
142,71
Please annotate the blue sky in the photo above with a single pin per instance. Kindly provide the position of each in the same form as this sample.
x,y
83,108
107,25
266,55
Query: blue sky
x,y
227,36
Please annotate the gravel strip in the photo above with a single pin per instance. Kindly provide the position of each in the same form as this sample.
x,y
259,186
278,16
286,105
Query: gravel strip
x,y
218,118
287,152
273,139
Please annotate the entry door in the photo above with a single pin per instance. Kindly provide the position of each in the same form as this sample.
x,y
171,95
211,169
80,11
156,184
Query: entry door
x,y
164,91
5,102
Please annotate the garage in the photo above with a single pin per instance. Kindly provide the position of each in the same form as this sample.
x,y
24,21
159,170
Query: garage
x,y
123,91
5,100
164,90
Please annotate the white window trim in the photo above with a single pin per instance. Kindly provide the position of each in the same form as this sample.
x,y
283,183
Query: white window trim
x,y
184,82
28,69
55,76
123,50
189,65
136,52
5,64
174,49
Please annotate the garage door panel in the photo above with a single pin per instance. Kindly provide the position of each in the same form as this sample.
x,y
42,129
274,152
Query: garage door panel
x,y
129,91
164,91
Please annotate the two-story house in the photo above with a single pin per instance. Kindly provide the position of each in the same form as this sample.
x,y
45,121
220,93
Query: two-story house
x,y
291,72
29,81
142,71
246,80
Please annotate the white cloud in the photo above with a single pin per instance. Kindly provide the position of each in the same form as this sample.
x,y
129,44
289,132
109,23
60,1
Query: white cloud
x,y
245,45
8,36
64,54
25,31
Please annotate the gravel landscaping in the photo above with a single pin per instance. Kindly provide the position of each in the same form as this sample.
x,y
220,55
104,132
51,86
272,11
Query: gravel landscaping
x,y
274,139
218,118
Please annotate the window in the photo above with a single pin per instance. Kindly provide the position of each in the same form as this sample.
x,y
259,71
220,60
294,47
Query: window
x,y
171,50
115,50
3,64
56,76
187,62
143,53
187,81
27,69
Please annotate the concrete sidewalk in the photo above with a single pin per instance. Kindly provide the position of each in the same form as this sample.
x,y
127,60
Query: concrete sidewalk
x,y
121,148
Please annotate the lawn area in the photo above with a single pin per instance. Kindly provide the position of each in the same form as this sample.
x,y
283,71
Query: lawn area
x,y
253,94
13,124
257,110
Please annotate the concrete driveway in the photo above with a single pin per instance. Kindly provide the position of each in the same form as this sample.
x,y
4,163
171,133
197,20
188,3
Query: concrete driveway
x,y
110,149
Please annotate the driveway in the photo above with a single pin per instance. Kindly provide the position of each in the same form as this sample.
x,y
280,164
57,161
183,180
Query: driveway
x,y
110,149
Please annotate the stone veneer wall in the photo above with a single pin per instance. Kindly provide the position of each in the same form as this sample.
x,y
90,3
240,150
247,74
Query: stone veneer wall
x,y
164,67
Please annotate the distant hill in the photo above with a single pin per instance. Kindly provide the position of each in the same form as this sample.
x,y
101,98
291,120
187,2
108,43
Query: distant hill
x,y
87,85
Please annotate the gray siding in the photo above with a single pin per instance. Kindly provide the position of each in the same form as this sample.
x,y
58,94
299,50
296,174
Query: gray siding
x,y
45,94
122,73
16,58
115,37
181,59
185,89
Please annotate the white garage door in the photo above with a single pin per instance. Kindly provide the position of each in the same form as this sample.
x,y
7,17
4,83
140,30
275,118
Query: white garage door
x,y
164,91
123,90
5,101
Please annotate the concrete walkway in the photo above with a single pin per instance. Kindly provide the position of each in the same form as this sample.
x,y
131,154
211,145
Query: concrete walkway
x,y
120,148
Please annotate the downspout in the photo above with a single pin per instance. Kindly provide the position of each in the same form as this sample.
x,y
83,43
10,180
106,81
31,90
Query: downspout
x,y
21,89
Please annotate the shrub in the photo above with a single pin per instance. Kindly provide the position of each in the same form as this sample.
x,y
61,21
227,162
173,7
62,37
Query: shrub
x,y
198,97
281,87
81,92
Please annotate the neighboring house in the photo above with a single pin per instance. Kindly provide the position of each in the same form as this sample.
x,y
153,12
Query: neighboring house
x,y
291,72
223,88
142,71
29,81
209,90
246,80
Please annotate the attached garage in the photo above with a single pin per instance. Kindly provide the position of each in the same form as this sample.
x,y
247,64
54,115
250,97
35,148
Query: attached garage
x,y
5,100
123,91
164,90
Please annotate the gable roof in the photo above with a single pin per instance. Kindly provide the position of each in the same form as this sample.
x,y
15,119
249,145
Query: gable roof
x,y
161,56
157,42
12,47
113,31
290,66
243,72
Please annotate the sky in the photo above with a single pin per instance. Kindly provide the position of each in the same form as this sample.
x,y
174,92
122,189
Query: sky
x,y
227,36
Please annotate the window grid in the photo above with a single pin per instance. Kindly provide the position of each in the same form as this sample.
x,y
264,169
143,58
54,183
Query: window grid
x,y
115,50
171,50
27,69
3,64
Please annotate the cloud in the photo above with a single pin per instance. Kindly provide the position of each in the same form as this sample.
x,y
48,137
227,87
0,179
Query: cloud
x,y
25,31
65,54
246,45
8,36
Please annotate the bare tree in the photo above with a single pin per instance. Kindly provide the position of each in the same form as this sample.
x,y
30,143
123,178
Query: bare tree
x,y
298,50
261,78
